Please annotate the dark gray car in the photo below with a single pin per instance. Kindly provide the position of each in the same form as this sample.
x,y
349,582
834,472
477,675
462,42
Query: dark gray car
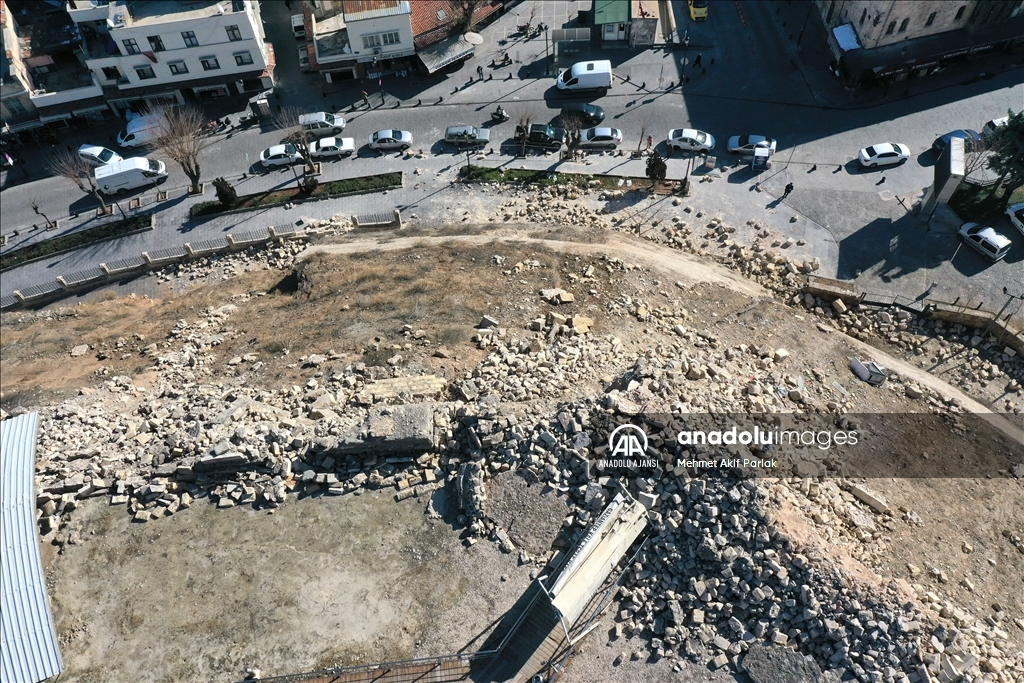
x,y
590,114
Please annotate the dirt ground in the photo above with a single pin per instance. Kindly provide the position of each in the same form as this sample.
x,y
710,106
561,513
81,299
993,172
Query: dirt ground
x,y
205,593
319,583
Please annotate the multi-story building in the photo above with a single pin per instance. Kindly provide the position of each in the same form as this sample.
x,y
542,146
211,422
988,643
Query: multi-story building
x,y
358,38
163,51
367,38
883,41
92,56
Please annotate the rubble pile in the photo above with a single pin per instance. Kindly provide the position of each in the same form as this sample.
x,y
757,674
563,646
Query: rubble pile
x,y
555,204
224,266
715,578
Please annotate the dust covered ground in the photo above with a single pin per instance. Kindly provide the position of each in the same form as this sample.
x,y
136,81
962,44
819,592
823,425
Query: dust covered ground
x,y
358,578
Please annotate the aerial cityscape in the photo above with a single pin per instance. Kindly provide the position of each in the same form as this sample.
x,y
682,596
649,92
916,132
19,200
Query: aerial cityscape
x,y
512,341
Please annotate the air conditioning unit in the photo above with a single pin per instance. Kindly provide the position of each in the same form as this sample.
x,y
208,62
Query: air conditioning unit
x,y
376,50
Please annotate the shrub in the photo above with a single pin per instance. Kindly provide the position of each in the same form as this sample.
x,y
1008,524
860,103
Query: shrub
x,y
226,194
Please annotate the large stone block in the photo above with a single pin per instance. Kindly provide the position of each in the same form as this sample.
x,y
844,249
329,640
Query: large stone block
x,y
392,429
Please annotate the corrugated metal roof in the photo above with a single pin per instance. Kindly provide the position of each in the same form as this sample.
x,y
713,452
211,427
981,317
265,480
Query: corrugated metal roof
x,y
28,640
360,10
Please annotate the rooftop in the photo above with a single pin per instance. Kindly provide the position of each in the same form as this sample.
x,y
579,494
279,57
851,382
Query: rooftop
x,y
359,10
149,12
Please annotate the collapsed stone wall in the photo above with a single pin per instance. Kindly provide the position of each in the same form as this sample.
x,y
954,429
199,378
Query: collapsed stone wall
x,y
716,578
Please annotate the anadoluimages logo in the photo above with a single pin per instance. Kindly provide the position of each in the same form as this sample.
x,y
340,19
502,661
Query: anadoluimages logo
x,y
625,442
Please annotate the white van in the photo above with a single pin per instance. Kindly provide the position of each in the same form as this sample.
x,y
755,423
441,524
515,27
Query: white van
x,y
130,174
298,26
586,76
143,130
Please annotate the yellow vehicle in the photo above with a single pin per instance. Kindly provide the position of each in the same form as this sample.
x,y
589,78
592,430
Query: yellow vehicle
x,y
698,9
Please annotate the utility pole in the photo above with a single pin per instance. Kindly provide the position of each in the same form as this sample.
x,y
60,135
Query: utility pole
x,y
810,7
547,58
1010,298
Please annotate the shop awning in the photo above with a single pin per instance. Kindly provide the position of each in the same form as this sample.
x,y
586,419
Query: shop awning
x,y
440,55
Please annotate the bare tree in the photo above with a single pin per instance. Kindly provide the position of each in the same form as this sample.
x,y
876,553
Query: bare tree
x,y
287,119
34,204
976,153
181,136
646,125
573,123
464,11
66,163
524,118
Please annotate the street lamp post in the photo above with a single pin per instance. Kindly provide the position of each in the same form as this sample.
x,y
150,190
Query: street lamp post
x,y
810,7
686,45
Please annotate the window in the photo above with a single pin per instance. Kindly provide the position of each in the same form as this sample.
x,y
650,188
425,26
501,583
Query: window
x,y
960,12
111,73
931,19
903,24
145,72
177,68
131,46
391,38
371,41
243,58
15,106
190,38
209,63
863,16
233,32
156,43
890,28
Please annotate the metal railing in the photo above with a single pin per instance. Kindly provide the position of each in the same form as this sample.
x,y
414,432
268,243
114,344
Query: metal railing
x,y
383,667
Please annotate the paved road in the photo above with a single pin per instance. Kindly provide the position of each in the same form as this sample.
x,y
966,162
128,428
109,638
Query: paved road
x,y
747,83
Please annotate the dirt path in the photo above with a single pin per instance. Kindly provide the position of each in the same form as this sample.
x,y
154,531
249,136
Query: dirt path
x,y
925,379
681,265
687,268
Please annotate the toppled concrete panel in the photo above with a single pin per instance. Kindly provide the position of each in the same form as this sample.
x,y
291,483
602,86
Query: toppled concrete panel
x,y
392,429
765,664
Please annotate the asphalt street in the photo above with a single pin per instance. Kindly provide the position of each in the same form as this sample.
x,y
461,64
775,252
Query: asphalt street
x,y
753,78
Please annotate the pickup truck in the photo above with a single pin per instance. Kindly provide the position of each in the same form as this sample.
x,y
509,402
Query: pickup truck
x,y
466,136
541,135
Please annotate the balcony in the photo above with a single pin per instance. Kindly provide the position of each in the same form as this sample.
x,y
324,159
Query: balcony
x,y
65,80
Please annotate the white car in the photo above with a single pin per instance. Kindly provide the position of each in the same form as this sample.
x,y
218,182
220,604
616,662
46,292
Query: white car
x,y
332,147
1015,212
391,139
883,154
689,139
304,58
746,144
600,137
986,240
280,155
94,155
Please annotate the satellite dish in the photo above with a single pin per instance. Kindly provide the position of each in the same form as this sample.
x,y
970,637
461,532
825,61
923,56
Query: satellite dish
x,y
473,38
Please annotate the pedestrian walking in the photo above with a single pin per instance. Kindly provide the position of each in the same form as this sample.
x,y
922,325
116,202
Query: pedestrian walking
x,y
650,141
480,72
789,188
696,62
366,99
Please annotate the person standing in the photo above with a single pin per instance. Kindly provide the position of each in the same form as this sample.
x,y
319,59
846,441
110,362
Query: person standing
x,y
789,188
480,72
650,141
366,99
700,56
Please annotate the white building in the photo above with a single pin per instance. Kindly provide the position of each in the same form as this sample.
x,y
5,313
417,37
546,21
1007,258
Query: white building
x,y
159,51
357,38
94,56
